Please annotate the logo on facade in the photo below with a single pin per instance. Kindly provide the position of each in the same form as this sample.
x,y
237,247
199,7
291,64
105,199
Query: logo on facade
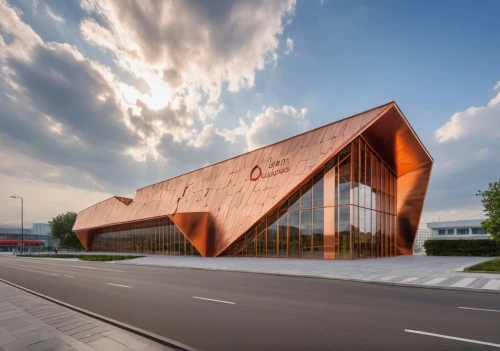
x,y
275,168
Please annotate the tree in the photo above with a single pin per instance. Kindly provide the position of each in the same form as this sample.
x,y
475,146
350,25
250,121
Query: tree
x,y
62,229
491,203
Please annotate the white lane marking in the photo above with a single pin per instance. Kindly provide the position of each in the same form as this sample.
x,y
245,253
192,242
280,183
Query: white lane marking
x,y
123,286
388,278
98,269
204,298
478,309
452,338
408,280
493,284
54,274
69,276
435,281
463,283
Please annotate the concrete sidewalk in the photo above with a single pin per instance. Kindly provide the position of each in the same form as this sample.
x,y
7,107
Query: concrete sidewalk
x,y
28,322
428,271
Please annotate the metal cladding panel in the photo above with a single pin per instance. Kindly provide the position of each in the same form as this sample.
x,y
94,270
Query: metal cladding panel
x,y
411,190
195,227
237,192
86,239
395,141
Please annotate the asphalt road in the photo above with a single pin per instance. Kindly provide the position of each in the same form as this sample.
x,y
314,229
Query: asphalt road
x,y
265,312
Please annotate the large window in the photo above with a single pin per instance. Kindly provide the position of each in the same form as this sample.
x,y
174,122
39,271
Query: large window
x,y
463,231
159,236
479,231
347,210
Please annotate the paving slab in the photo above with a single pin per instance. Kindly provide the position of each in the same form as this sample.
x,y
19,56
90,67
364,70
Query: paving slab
x,y
418,270
24,327
106,344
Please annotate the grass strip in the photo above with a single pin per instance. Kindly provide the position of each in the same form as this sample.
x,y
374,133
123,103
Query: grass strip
x,y
492,266
85,257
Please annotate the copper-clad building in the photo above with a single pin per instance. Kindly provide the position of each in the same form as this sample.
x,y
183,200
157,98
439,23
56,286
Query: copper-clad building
x,y
351,189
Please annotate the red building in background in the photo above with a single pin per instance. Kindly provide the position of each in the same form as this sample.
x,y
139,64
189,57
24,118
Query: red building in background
x,y
15,245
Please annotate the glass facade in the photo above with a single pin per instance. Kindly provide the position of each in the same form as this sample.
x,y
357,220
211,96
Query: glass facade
x,y
158,236
345,211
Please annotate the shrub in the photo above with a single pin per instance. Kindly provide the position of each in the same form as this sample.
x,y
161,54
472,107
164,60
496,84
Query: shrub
x,y
462,247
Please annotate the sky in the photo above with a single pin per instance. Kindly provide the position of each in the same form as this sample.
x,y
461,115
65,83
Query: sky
x,y
100,98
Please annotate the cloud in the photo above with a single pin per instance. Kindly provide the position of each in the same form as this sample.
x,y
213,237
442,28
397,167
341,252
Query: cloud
x,y
94,33
53,15
289,46
186,51
51,111
152,125
211,144
466,159
497,86
483,154
274,125
23,38
481,121
151,92
207,147
270,126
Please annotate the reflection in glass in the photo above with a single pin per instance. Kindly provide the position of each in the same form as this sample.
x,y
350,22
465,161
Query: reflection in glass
x,y
293,202
306,196
344,217
362,175
293,246
250,243
344,152
305,233
158,236
345,182
282,230
261,244
318,190
272,235
355,169
355,232
362,233
318,231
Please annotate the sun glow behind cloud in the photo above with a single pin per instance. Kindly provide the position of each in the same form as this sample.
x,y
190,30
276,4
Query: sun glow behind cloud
x,y
183,68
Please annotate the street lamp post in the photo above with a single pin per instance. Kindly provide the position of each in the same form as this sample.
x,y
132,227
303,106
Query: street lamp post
x,y
22,222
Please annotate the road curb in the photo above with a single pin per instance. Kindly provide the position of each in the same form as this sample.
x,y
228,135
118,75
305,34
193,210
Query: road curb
x,y
138,331
485,272
430,287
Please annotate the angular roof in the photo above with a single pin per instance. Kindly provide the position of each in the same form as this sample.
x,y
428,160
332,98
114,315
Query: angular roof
x,y
225,198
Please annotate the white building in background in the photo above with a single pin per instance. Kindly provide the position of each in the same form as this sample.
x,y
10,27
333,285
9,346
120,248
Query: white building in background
x,y
423,234
464,229
41,229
